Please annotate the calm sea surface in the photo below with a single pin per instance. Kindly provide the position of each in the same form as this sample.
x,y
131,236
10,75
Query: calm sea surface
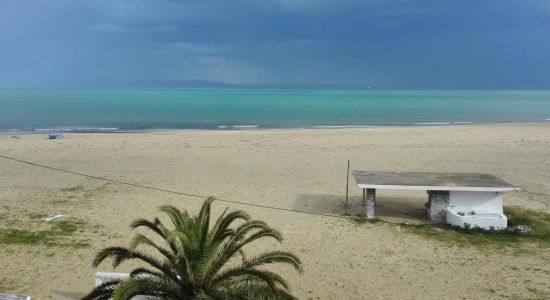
x,y
134,109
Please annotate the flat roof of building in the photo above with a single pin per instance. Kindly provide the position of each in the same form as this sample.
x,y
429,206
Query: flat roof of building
x,y
472,182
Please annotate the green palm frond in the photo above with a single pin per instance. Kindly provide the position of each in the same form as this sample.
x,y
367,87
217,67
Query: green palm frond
x,y
103,291
257,291
153,226
137,272
157,287
195,259
274,257
179,219
243,274
140,239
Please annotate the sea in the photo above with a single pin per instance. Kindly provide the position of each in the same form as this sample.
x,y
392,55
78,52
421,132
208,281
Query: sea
x,y
94,110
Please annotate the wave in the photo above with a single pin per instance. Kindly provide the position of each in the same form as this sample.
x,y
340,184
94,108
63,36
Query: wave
x,y
342,126
245,126
433,123
106,129
444,123
77,129
238,126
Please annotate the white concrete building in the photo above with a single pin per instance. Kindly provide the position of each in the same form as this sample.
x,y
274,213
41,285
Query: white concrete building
x,y
468,200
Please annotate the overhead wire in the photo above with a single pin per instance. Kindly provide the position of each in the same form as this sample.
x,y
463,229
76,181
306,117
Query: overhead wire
x,y
153,188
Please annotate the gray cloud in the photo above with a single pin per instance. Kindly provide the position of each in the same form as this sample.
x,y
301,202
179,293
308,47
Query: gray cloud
x,y
112,28
392,43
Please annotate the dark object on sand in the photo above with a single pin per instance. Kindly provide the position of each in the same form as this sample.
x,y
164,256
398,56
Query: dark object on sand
x,y
521,229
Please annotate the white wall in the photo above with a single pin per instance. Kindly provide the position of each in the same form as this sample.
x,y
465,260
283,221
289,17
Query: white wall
x,y
477,201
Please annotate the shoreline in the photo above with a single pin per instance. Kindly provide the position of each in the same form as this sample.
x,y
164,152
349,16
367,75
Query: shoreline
x,y
239,128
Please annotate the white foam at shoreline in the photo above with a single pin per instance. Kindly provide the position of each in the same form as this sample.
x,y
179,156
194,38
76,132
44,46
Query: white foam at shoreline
x,y
342,126
238,126
44,129
245,126
444,123
433,123
69,129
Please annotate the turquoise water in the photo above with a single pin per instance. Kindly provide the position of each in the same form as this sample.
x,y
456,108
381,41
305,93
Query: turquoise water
x,y
131,109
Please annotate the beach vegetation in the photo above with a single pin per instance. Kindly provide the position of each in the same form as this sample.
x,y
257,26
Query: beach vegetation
x,y
77,188
539,222
197,258
38,216
58,233
68,227
22,236
5,284
362,219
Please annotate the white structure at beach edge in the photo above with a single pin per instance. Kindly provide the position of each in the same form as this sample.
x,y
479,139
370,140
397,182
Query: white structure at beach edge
x,y
467,200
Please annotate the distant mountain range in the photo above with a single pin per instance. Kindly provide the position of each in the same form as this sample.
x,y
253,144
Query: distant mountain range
x,y
219,84
174,83
187,83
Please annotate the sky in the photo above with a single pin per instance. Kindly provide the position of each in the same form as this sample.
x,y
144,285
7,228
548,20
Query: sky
x,y
439,44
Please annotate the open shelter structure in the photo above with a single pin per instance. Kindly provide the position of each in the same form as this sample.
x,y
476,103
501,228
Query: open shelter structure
x,y
462,199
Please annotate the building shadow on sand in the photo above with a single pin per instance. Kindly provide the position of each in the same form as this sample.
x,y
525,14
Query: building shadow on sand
x,y
392,208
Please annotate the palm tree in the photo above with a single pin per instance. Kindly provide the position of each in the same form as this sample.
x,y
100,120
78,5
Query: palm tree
x,y
196,261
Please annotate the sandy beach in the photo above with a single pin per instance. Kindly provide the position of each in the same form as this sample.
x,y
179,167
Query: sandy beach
x,y
301,170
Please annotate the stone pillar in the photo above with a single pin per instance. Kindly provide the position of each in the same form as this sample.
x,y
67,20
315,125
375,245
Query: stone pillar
x,y
438,201
369,205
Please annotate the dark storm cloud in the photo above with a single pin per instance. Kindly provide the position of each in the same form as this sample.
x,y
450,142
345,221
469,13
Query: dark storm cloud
x,y
391,43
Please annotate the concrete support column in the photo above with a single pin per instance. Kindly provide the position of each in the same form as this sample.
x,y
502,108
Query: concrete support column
x,y
438,201
370,199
